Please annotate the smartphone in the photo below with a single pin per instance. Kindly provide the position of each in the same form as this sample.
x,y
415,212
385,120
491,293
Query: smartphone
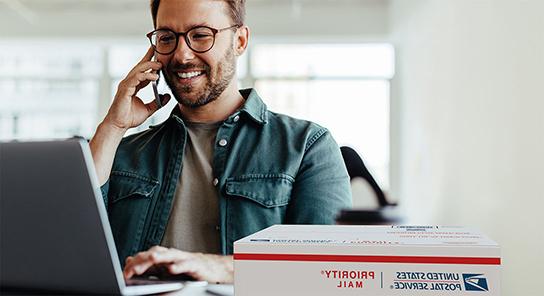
x,y
154,85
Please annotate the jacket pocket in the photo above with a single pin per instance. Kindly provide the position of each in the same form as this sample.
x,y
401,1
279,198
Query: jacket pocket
x,y
125,184
255,202
130,196
268,190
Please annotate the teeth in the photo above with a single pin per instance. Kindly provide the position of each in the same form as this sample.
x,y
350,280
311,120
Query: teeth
x,y
186,75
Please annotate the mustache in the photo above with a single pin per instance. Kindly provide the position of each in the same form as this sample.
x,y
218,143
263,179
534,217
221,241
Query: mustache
x,y
177,67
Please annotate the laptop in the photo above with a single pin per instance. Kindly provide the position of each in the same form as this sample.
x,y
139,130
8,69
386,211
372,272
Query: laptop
x,y
55,234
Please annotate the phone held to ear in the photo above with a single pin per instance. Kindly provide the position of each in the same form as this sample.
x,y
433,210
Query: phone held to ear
x,y
155,89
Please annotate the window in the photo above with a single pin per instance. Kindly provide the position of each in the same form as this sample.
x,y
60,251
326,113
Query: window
x,y
50,92
64,88
342,87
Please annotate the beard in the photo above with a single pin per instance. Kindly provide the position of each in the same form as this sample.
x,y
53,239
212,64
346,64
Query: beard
x,y
217,81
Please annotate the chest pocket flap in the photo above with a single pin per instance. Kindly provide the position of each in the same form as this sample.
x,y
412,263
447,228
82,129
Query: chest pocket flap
x,y
126,184
268,190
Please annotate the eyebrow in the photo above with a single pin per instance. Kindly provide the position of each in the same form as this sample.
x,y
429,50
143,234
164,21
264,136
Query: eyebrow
x,y
190,27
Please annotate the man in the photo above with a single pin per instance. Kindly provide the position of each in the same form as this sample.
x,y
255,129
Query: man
x,y
221,167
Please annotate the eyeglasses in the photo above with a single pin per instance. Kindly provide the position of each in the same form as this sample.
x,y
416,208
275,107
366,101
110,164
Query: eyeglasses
x,y
200,39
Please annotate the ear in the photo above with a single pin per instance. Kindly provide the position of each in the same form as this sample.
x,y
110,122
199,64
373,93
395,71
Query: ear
x,y
242,40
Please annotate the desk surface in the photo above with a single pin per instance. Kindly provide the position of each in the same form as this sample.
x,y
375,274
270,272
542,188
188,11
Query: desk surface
x,y
220,290
209,290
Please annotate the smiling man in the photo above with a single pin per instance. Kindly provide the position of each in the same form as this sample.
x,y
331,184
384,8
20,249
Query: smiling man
x,y
221,167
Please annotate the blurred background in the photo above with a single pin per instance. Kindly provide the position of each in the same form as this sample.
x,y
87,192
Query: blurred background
x,y
442,98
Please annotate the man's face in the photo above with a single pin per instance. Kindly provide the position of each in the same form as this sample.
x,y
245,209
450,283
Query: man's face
x,y
216,68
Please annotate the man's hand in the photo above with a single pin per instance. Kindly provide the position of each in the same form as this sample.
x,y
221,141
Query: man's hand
x,y
202,267
127,109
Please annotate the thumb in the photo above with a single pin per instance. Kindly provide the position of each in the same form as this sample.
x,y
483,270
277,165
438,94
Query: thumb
x,y
153,106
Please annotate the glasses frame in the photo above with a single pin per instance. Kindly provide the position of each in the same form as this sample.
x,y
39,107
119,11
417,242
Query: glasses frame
x,y
185,36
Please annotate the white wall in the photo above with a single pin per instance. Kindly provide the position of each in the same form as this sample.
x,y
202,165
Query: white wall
x,y
65,19
330,20
469,110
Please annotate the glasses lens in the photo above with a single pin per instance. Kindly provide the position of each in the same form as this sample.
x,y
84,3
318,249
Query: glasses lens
x,y
164,41
200,38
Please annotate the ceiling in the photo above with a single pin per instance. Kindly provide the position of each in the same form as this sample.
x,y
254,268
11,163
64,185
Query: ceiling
x,y
126,17
36,6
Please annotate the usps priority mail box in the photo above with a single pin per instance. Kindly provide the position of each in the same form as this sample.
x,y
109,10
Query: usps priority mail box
x,y
366,260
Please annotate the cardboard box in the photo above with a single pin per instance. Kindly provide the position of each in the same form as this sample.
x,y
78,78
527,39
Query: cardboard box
x,y
366,260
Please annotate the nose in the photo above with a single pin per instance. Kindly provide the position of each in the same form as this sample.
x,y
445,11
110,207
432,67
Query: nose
x,y
183,52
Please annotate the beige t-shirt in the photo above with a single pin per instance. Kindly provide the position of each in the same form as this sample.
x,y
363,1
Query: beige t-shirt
x,y
194,219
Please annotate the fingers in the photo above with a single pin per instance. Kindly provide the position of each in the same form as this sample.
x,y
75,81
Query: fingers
x,y
148,55
145,63
171,255
133,268
152,106
144,79
158,249
145,67
138,78
205,267
133,83
165,99
140,263
127,110
189,267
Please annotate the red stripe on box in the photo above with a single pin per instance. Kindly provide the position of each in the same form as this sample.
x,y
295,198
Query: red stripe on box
x,y
369,259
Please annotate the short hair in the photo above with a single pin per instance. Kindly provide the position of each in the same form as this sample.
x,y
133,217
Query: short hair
x,y
237,10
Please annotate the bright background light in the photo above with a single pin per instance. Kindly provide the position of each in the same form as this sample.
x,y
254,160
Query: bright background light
x,y
63,89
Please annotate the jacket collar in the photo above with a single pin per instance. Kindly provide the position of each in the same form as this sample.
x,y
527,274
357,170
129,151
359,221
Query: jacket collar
x,y
254,107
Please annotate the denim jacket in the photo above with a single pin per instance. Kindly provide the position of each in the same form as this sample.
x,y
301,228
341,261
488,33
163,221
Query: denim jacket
x,y
269,168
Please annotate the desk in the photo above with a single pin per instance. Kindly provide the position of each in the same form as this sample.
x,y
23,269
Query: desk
x,y
220,290
187,291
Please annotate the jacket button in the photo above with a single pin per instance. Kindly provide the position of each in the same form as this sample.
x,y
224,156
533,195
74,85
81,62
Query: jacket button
x,y
217,227
215,181
236,118
223,142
